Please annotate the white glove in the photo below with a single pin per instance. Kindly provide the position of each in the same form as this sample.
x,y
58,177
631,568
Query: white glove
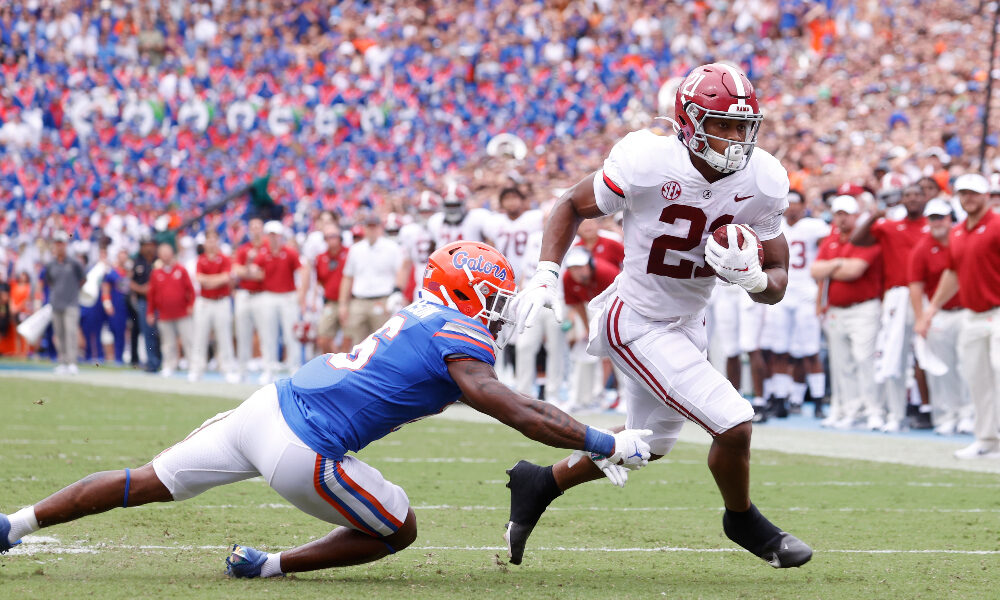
x,y
395,302
539,293
631,451
739,266
616,474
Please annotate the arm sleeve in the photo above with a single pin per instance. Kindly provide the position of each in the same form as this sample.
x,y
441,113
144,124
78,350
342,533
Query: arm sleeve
x,y
611,188
349,264
769,227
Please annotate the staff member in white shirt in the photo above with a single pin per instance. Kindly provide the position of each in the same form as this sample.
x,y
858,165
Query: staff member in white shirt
x,y
373,280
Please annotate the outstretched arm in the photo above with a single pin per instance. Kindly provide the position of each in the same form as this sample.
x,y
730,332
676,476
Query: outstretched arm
x,y
541,421
537,420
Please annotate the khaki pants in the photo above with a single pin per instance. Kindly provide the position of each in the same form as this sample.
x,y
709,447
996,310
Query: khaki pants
x,y
329,321
364,316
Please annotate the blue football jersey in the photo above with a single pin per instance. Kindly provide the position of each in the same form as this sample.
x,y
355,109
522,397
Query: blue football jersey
x,y
342,402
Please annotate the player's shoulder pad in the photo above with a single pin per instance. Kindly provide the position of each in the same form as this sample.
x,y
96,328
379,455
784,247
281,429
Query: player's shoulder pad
x,y
451,326
769,174
642,156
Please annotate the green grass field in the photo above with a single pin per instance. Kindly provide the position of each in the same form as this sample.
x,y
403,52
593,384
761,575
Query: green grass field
x,y
879,530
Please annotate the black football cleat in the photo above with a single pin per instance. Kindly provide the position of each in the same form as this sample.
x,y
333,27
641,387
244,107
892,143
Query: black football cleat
x,y
531,492
763,539
786,551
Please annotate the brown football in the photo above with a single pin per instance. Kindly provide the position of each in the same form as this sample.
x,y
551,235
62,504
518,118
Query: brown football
x,y
722,236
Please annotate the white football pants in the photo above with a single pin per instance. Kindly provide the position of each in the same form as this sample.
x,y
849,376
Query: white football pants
x,y
979,364
850,334
213,316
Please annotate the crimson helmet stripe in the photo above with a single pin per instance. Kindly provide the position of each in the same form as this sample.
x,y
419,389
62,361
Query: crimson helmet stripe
x,y
737,79
612,185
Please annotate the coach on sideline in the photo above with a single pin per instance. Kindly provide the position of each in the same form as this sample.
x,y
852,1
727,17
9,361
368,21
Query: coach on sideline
x,y
854,278
974,273
372,274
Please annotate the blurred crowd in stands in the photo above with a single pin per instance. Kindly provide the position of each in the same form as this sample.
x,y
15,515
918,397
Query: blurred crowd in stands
x,y
122,120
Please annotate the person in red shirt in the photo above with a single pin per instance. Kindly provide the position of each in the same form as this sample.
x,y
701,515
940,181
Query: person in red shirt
x,y
248,306
974,274
169,303
213,310
329,272
851,279
951,408
585,277
600,244
279,263
897,238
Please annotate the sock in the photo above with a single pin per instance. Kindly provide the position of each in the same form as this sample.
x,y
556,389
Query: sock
x,y
22,523
550,489
271,567
749,529
798,395
817,385
535,489
758,401
768,387
781,385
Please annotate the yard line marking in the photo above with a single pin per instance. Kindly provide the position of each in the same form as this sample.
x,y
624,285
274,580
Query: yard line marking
x,y
716,509
438,459
923,484
48,545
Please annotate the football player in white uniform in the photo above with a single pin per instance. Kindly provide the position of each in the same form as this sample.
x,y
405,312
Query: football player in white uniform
x,y
509,229
793,328
415,237
674,192
456,222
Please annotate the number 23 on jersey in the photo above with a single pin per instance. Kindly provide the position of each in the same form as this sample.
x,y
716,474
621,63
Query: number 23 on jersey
x,y
697,220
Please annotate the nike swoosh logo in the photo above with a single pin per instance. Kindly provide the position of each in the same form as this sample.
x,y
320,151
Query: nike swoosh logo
x,y
738,198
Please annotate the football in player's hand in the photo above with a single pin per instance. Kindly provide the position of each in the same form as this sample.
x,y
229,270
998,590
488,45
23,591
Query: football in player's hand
x,y
723,235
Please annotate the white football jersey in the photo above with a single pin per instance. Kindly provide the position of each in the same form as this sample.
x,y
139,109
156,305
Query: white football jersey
x,y
803,244
670,211
417,243
471,227
511,236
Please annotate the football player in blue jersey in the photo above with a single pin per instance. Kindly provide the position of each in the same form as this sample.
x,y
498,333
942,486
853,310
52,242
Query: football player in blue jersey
x,y
299,432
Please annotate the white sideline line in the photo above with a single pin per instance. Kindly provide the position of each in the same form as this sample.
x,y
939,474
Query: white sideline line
x,y
846,509
48,545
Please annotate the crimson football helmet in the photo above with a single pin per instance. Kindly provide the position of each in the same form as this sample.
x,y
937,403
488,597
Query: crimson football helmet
x,y
454,202
722,91
474,279
428,202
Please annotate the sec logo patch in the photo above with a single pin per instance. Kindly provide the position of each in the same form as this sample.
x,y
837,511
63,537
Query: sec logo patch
x,y
671,191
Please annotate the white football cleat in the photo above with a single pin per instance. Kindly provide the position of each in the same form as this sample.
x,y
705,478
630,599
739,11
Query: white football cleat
x,y
978,450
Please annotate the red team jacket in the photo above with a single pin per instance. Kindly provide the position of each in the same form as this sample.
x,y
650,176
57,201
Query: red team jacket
x,y
862,289
170,293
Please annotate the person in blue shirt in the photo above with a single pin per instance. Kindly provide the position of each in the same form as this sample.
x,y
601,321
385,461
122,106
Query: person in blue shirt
x,y
299,433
